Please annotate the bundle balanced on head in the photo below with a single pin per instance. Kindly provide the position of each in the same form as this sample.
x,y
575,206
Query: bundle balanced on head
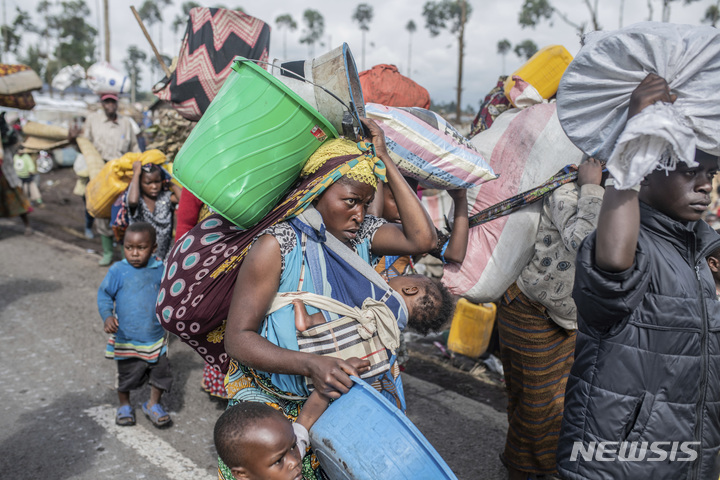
x,y
646,377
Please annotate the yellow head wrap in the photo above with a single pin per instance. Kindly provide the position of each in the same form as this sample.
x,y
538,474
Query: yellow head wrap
x,y
368,169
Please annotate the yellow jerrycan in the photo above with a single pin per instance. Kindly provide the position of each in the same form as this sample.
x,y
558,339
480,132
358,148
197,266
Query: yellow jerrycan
x,y
543,70
471,327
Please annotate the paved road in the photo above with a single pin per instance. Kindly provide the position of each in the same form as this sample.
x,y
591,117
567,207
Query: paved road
x,y
57,392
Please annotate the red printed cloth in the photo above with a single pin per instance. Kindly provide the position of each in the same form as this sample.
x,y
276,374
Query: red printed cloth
x,y
214,36
494,104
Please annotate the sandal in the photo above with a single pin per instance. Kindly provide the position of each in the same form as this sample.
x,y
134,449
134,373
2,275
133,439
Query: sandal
x,y
157,415
125,416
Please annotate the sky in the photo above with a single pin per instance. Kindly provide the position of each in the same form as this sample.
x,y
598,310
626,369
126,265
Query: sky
x,y
434,60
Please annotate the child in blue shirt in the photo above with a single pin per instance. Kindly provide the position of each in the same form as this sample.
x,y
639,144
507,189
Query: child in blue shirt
x,y
126,301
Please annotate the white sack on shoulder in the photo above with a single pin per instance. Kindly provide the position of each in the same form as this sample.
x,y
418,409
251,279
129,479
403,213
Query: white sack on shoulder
x,y
594,94
657,137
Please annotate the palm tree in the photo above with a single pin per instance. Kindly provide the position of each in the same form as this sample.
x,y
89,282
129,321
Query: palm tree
x,y
315,23
410,27
363,16
712,14
182,19
503,47
151,13
286,22
453,15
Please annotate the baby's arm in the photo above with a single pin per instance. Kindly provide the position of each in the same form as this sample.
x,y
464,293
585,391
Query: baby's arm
x,y
457,245
303,320
314,406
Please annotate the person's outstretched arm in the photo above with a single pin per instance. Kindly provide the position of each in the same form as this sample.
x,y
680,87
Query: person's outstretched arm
x,y
417,233
133,197
619,223
458,242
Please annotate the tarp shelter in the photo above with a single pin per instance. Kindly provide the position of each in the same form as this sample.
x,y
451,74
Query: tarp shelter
x,y
383,84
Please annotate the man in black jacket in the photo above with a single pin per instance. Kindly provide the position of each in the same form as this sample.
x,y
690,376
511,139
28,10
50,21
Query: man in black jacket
x,y
643,397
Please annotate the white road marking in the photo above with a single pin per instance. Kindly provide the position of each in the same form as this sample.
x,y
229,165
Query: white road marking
x,y
156,450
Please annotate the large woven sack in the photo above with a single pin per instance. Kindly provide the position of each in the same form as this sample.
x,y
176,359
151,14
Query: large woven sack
x,y
18,79
525,147
213,38
594,98
93,159
113,179
427,148
383,84
40,136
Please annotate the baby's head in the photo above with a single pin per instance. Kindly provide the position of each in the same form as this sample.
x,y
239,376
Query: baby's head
x,y
429,303
257,442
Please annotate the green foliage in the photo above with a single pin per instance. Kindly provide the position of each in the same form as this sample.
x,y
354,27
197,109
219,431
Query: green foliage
x,y
12,34
526,48
411,27
363,15
503,46
534,11
315,27
712,15
182,19
34,59
286,21
444,14
77,38
132,62
151,11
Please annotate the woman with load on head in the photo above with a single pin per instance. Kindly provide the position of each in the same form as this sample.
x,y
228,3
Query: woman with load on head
x,y
325,248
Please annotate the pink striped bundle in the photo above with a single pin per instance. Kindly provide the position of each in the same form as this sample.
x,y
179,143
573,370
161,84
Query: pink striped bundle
x,y
526,147
426,147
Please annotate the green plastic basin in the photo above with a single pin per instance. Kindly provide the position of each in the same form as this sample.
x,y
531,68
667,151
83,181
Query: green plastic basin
x,y
250,145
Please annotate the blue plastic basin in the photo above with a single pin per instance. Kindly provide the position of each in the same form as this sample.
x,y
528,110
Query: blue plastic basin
x,y
362,436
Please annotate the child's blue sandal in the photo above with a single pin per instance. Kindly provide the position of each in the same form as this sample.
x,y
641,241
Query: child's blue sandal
x,y
157,415
125,416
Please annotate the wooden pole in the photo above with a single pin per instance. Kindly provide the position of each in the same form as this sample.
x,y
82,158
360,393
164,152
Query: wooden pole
x,y
106,18
165,68
461,41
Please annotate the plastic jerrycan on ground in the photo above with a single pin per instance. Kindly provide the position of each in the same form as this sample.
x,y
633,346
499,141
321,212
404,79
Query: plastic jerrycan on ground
x,y
471,328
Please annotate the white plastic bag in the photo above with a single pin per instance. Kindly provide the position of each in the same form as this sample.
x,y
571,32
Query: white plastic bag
x,y
104,78
594,96
67,75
